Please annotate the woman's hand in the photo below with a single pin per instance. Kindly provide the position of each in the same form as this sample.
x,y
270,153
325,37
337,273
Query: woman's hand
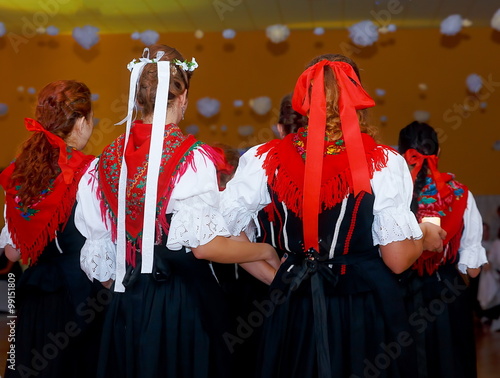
x,y
433,237
12,253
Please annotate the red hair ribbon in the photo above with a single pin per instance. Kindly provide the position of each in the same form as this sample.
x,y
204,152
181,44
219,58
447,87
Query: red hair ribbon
x,y
352,97
413,157
56,141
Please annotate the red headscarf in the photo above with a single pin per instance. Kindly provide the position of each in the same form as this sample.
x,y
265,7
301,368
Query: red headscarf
x,y
352,97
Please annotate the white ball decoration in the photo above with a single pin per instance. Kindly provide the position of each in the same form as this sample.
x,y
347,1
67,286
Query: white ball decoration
x,y
52,30
136,35
319,31
261,105
20,89
86,36
495,20
453,24
383,119
380,92
229,34
31,90
474,83
223,128
363,33
198,34
422,86
94,97
238,103
421,115
3,30
483,105
4,109
208,107
246,130
277,33
192,129
149,37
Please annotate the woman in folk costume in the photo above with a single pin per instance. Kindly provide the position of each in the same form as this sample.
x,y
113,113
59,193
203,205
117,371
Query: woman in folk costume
x,y
445,337
338,204
157,190
57,330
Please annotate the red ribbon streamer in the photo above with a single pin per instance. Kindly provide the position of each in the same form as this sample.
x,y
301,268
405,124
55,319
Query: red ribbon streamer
x,y
56,141
352,97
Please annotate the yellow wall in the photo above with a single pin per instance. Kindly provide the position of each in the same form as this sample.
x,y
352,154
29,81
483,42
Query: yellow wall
x,y
250,66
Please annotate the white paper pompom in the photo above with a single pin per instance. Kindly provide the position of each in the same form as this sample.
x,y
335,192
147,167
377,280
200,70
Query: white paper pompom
x,y
380,92
136,35
228,33
421,115
319,31
363,33
383,119
451,25
474,83
192,129
149,37
238,103
31,90
94,97
198,34
2,29
422,86
277,33
52,30
246,130
483,105
223,128
4,109
208,107
495,20
261,105
86,36
20,89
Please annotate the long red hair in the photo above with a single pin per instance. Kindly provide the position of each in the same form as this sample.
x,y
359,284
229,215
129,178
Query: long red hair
x,y
60,105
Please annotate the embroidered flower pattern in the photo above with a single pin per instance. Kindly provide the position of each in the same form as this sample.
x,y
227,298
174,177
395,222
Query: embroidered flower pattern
x,y
430,202
28,213
332,148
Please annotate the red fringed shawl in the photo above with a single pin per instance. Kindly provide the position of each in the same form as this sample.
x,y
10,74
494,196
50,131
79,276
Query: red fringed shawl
x,y
177,155
451,210
32,230
284,166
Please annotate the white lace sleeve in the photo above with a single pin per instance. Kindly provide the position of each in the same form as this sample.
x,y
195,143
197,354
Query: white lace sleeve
x,y
194,204
5,237
472,253
393,189
245,195
98,255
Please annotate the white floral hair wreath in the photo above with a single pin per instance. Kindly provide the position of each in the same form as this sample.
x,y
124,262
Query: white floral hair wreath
x,y
187,66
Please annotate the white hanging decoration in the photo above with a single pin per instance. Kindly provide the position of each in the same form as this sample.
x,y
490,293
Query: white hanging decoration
x,y
135,35
387,29
245,130
380,92
483,105
474,83
383,119
20,89
86,36
31,90
319,31
422,86
94,97
223,128
4,109
52,30
495,20
228,33
198,34
421,115
148,37
238,103
261,105
277,33
453,24
192,129
3,30
363,33
208,107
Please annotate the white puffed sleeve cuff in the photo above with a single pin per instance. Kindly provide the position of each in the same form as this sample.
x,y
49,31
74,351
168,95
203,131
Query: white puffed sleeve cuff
x,y
5,237
245,195
471,252
393,189
98,255
194,204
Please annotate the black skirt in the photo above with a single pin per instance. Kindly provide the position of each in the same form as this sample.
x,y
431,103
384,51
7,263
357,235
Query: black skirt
x,y
362,329
170,323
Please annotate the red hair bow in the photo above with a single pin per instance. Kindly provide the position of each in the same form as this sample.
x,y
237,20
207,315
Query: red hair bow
x,y
352,97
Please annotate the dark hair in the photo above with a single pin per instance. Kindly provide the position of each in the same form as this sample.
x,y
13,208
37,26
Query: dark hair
x,y
423,138
148,82
289,118
333,127
60,105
